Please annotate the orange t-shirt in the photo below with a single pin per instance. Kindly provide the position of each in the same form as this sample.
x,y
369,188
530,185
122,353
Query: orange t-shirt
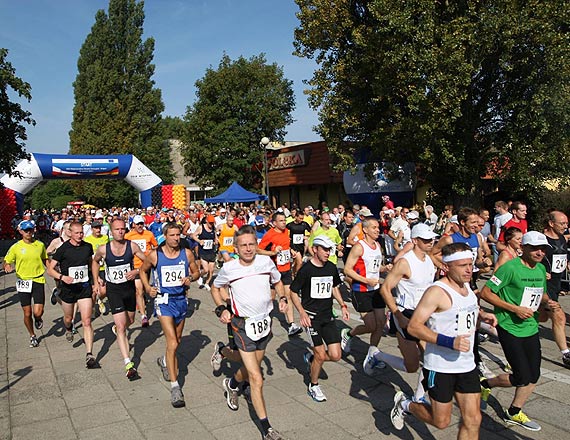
x,y
144,240
271,240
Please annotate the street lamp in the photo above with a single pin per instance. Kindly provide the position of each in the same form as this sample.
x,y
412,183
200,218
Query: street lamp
x,y
263,144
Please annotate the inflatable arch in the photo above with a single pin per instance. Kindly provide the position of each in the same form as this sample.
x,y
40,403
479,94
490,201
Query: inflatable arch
x,y
62,166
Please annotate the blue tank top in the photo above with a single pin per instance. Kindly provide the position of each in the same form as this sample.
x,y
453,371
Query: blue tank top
x,y
170,272
116,267
473,243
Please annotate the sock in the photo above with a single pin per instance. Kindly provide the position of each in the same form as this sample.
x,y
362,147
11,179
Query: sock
x,y
394,361
485,383
69,328
565,351
513,410
234,384
406,405
314,384
245,384
174,384
420,390
265,425
89,353
127,360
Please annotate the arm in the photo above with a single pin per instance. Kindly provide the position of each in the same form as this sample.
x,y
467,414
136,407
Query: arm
x,y
338,296
349,271
492,298
149,262
304,318
132,274
356,229
192,268
401,270
222,311
280,290
407,247
436,251
95,267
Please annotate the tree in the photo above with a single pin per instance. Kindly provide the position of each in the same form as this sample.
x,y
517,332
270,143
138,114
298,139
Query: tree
x,y
12,116
49,193
461,88
237,104
117,109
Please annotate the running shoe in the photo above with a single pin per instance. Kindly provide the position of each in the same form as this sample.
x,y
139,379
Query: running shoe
x,y
272,434
334,313
144,321
485,371
207,287
69,335
485,393
232,397
217,357
177,397
294,329
370,361
308,358
131,372
521,419
200,282
316,393
397,414
102,307
566,359
345,340
246,393
90,361
507,368
162,364
38,323
483,337
114,329
34,342
54,295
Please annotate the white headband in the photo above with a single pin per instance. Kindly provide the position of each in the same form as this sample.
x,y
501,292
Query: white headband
x,y
463,255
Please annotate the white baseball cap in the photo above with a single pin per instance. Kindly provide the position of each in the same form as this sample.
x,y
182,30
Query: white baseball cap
x,y
535,238
421,230
323,241
138,219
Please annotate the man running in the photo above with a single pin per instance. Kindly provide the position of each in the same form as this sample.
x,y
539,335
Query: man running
x,y
249,279
97,239
446,318
29,257
120,274
297,229
75,258
206,238
174,268
317,283
226,233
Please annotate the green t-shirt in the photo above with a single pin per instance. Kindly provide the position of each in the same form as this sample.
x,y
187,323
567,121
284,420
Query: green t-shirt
x,y
95,243
29,259
518,284
331,233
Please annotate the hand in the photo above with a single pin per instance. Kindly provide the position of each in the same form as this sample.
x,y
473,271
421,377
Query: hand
x,y
552,305
345,314
372,281
152,291
8,268
388,267
461,343
402,320
305,319
283,306
487,261
524,312
186,281
225,317
95,290
66,279
132,274
278,249
548,276
489,318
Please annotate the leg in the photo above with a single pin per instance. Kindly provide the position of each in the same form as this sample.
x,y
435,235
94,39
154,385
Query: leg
x,y
28,319
121,322
289,317
251,362
380,318
558,318
85,306
369,325
522,394
67,309
38,311
470,415
141,304
171,334
438,414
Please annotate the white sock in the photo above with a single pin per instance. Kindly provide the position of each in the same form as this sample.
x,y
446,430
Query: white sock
x,y
395,362
127,360
405,405
420,390
174,384
565,351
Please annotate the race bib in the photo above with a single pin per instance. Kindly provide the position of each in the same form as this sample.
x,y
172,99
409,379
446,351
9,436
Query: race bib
x,y
333,251
80,274
559,263
321,287
24,286
117,274
141,243
228,241
531,297
298,238
258,327
171,276
161,298
283,257
467,320
208,244
376,263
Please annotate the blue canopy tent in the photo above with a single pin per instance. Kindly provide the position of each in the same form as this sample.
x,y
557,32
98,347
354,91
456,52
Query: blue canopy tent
x,y
234,194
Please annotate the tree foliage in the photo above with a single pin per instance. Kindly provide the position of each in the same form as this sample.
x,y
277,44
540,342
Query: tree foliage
x,y
12,116
117,108
237,104
49,194
459,87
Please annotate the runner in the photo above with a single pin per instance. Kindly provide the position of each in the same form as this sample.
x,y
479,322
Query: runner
x,y
297,229
363,267
120,274
97,239
174,269
513,239
29,257
330,232
225,232
206,238
249,281
276,244
146,242
317,283
446,318
74,258
517,291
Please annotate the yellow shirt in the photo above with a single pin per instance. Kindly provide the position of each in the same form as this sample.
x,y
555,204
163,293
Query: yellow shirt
x,y
95,243
29,259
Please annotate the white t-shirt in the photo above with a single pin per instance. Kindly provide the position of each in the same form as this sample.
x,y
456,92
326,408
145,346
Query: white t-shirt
x,y
499,221
249,286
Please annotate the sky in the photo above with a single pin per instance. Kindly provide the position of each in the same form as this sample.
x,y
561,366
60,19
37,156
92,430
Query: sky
x,y
44,38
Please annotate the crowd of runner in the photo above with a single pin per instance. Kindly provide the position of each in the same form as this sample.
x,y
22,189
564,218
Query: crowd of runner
x,y
406,271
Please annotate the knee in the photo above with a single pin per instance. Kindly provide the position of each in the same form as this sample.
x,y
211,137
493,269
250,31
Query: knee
x,y
86,322
442,421
172,345
27,313
411,367
320,357
335,356
559,317
471,421
255,379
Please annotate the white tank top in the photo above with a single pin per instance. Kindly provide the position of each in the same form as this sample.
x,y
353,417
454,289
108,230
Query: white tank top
x,y
410,290
459,319
368,265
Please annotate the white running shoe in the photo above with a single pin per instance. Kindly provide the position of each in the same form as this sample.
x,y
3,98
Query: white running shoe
x,y
397,414
370,361
316,393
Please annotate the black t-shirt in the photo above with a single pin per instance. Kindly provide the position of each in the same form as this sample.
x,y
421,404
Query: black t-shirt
x,y
314,284
555,262
297,232
76,258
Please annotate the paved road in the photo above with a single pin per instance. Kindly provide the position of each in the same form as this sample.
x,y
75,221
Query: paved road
x,y
46,392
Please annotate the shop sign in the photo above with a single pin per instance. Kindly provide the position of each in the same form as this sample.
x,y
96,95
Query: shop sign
x,y
287,160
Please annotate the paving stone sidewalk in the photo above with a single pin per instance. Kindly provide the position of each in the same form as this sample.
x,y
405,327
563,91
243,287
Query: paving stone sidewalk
x,y
47,393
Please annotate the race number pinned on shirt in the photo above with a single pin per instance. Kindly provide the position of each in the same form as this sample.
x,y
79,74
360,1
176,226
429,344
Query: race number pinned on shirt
x,y
117,274
80,274
258,327
228,241
531,297
208,244
171,276
376,263
298,238
467,320
559,263
283,257
24,286
141,244
321,287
